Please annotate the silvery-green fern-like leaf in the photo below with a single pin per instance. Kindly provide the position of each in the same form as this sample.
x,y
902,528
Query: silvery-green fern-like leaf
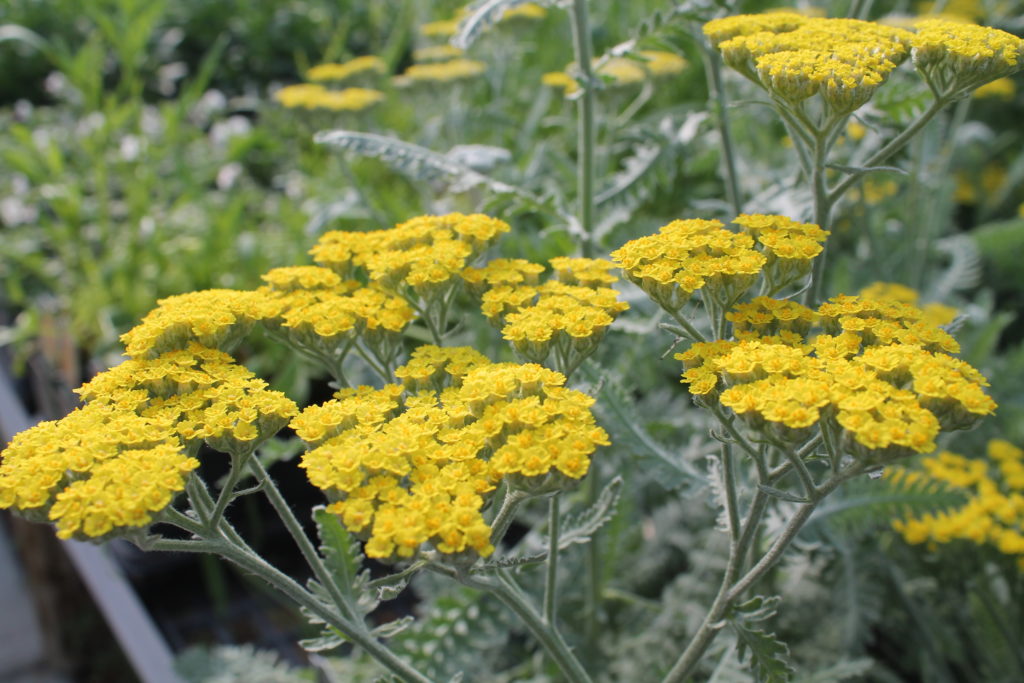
x,y
483,14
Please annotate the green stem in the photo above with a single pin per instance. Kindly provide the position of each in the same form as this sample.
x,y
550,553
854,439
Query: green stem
x,y
238,463
356,632
582,48
506,514
298,534
551,579
729,479
894,145
687,327
822,212
728,591
713,71
506,590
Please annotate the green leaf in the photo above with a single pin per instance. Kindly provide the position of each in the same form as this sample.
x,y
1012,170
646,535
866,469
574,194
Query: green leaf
x,y
865,504
508,563
768,656
393,628
841,671
421,163
757,608
580,527
329,640
344,559
481,15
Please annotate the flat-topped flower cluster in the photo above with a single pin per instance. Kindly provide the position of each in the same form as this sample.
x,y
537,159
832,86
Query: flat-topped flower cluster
x,y
992,515
844,61
878,379
413,464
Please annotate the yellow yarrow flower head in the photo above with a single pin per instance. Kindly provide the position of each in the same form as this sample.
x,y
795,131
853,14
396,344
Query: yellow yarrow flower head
x,y
884,321
216,318
436,53
765,317
441,72
956,57
789,245
568,314
795,58
408,468
435,367
887,386
502,273
661,63
115,463
425,254
933,313
315,96
368,64
529,11
992,514
688,255
318,311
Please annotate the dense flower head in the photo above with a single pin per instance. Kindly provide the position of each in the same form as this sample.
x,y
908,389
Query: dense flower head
x,y
316,96
216,318
886,396
789,245
569,312
933,313
425,253
436,53
993,512
884,321
795,57
339,72
409,466
587,272
433,367
502,272
202,393
964,56
528,10
457,69
621,71
765,317
687,255
575,314
120,459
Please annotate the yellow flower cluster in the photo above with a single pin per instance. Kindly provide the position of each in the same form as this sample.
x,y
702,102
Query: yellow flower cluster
x,y
436,53
796,57
622,71
934,313
217,318
959,57
426,254
764,317
687,255
569,314
441,72
789,245
119,460
884,321
502,272
316,96
340,72
993,514
321,312
886,396
409,467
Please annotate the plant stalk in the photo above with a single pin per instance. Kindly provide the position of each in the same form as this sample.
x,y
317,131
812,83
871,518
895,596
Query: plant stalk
x,y
587,130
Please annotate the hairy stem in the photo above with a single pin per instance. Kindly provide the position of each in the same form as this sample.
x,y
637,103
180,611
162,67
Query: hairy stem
x,y
581,41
